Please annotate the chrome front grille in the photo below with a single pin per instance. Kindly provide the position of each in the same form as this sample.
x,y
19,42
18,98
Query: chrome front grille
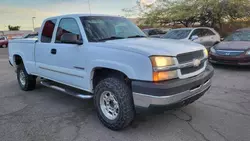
x,y
192,69
189,58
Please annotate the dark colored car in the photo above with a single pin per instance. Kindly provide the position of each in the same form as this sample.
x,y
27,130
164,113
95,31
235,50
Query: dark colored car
x,y
154,32
3,42
234,50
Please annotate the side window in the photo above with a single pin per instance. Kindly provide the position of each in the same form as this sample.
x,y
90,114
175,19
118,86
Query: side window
x,y
152,32
67,25
47,32
196,32
208,32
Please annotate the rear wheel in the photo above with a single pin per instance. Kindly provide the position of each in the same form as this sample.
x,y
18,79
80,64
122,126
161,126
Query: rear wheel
x,y
114,103
4,46
26,82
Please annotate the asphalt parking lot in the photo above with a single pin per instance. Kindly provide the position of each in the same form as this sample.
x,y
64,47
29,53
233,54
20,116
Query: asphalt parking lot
x,y
223,114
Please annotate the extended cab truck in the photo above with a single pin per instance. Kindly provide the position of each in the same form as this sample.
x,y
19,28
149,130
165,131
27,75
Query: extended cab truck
x,y
111,59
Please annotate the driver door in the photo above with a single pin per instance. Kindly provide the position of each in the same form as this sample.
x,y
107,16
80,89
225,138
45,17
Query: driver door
x,y
65,63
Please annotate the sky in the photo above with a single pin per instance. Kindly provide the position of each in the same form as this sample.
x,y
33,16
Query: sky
x,y
20,12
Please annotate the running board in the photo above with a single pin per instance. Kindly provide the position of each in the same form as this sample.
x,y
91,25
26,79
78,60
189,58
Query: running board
x,y
67,90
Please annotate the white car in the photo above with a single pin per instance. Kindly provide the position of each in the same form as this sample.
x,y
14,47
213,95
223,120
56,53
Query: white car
x,y
202,35
111,59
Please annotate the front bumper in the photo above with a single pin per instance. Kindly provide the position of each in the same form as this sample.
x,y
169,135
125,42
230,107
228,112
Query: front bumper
x,y
148,94
230,60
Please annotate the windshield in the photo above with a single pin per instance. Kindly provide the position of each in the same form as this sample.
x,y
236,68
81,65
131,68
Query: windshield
x,y
102,28
239,36
177,34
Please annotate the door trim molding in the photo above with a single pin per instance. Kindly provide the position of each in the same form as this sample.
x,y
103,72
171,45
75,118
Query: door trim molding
x,y
79,68
44,68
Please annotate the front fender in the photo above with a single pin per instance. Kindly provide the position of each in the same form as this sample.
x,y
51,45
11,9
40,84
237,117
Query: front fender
x,y
124,68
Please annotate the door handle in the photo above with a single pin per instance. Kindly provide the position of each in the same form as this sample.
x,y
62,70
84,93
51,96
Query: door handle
x,y
53,51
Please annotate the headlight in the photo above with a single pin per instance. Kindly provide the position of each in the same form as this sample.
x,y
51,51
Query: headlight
x,y
159,62
205,53
212,50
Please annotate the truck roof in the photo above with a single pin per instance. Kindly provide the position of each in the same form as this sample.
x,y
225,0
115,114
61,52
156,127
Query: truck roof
x,y
79,15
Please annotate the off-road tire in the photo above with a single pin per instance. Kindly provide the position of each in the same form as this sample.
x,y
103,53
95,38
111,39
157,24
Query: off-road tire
x,y
30,80
123,94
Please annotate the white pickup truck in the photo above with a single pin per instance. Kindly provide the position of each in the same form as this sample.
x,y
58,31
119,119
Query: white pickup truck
x,y
111,59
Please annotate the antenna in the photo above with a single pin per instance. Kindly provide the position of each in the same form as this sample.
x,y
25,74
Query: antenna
x,y
89,7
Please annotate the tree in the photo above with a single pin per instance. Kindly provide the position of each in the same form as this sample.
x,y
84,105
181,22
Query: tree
x,y
13,28
188,12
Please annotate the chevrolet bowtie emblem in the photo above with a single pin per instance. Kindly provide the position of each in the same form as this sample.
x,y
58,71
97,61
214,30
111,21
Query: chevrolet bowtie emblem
x,y
196,62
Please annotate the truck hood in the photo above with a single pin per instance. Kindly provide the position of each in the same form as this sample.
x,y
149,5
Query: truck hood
x,y
154,46
234,45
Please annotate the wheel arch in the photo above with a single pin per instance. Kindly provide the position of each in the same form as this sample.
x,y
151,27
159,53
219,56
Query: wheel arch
x,y
99,73
19,59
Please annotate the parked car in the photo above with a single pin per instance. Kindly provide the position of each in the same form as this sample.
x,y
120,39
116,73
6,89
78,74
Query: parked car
x,y
202,35
87,56
154,32
234,50
3,42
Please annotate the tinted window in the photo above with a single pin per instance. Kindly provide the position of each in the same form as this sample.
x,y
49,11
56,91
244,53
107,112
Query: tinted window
x,y
47,32
2,38
207,32
152,32
177,34
197,32
67,25
102,28
159,31
239,36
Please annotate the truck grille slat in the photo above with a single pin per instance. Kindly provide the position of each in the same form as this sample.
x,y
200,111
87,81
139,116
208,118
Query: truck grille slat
x,y
190,56
191,69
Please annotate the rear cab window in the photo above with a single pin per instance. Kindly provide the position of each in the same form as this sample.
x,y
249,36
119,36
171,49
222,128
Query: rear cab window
x,y
48,30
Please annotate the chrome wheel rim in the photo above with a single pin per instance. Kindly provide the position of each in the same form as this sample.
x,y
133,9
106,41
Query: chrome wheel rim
x,y
109,105
22,78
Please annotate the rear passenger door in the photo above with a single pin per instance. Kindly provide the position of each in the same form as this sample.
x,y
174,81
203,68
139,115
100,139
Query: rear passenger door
x,y
210,37
43,57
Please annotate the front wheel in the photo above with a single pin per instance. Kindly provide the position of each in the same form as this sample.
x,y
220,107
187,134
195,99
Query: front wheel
x,y
114,103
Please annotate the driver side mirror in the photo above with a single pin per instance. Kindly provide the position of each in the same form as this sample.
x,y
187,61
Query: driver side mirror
x,y
70,38
194,37
221,39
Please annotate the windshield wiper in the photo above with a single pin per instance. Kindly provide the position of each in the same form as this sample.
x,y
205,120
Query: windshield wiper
x,y
137,36
111,38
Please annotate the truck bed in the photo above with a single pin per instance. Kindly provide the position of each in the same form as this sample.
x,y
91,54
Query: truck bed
x,y
21,47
